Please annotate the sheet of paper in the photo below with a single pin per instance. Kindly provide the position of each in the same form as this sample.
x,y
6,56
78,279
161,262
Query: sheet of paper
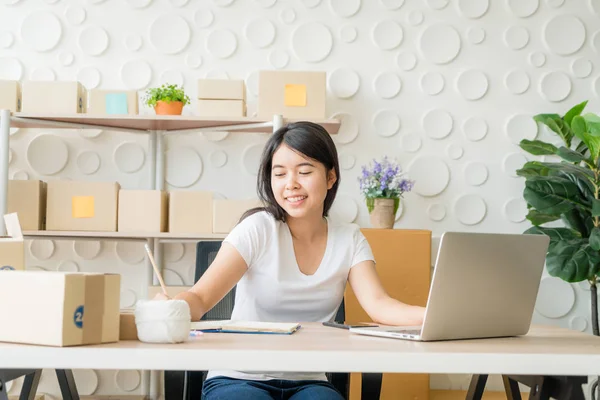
x,y
82,206
295,95
116,103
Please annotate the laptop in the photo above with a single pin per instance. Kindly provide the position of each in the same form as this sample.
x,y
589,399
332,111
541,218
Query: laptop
x,y
484,285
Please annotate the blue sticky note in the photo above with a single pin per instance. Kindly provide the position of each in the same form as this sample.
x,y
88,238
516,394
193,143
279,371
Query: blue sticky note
x,y
116,103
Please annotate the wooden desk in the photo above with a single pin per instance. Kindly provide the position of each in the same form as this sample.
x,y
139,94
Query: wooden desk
x,y
544,351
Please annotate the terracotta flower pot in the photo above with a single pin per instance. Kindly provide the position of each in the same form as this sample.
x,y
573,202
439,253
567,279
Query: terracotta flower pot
x,y
382,212
172,108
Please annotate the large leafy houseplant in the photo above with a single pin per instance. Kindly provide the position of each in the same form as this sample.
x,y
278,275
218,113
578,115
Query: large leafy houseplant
x,y
566,195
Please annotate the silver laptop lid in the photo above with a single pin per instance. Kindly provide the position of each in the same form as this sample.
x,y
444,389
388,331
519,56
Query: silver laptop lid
x,y
484,285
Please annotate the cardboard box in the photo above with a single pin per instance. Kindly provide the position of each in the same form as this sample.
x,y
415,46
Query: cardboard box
x,y
221,108
223,89
227,213
190,211
113,102
10,95
53,97
127,326
142,211
27,198
293,94
56,308
12,247
82,206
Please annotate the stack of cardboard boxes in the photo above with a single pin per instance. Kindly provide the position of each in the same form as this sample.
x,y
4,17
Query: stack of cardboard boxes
x,y
221,98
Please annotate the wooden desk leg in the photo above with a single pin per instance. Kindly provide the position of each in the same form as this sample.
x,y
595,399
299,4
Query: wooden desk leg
x,y
66,381
511,388
476,387
30,385
371,386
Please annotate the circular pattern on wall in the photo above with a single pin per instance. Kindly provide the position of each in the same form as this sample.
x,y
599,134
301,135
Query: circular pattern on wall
x,y
312,42
473,9
475,35
279,59
415,17
476,173
172,278
537,59
128,298
472,84
288,16
439,43
344,82
215,136
515,210
454,151
582,67
130,252
174,252
432,83
251,158
93,41
221,43
127,380
136,74
564,34
344,209
517,81
41,30
521,126
89,77
410,142
218,158
133,42
75,15
386,123
512,162
555,86
578,323
20,175
68,266
347,161
437,124
193,61
38,150
348,130
87,249
6,39
345,8
470,209
42,74
348,34
203,18
436,212
139,3
555,298
41,249
86,381
387,34
387,85
172,77
392,4
88,162
406,61
516,37
260,32
129,157
184,167
437,4
431,175
523,8
169,34
11,69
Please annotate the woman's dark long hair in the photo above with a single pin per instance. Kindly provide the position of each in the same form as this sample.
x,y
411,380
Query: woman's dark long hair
x,y
312,141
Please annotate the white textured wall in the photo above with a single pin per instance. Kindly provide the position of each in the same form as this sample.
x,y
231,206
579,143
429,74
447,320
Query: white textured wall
x,y
448,87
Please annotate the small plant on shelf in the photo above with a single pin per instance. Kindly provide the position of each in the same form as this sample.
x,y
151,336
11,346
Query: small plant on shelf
x,y
167,99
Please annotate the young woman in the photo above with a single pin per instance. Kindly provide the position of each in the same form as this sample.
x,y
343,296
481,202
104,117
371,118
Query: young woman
x,y
290,262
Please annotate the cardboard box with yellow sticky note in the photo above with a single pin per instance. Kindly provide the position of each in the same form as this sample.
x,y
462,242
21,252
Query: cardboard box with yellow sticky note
x,y
10,95
12,250
82,206
293,94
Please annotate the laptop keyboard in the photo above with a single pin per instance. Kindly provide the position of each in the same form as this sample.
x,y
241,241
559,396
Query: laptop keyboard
x,y
407,331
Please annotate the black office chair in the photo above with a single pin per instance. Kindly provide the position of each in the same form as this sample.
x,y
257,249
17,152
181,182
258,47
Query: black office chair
x,y
187,385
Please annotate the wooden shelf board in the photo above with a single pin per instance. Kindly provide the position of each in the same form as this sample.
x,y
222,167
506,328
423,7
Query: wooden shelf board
x,y
121,235
150,122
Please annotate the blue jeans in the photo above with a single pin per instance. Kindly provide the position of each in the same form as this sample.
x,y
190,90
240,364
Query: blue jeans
x,y
224,388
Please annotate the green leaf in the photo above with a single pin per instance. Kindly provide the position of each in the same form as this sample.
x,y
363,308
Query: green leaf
x,y
595,239
553,194
593,124
576,221
558,126
556,234
543,117
537,147
572,260
569,155
532,168
596,208
579,127
537,218
576,110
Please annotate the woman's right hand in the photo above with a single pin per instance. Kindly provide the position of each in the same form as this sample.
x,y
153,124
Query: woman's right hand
x,y
161,296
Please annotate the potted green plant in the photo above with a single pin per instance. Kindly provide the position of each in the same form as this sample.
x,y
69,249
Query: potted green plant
x,y
382,185
167,99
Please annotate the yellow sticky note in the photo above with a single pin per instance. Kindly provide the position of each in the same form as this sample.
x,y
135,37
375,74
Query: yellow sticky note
x,y
295,95
83,206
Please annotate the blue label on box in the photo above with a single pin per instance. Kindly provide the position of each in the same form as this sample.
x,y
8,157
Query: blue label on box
x,y
6,268
78,317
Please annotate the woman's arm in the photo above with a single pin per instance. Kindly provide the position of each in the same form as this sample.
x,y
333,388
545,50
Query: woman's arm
x,y
223,274
376,302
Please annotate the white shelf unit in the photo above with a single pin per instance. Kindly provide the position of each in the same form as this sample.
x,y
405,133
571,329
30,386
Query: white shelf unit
x,y
157,126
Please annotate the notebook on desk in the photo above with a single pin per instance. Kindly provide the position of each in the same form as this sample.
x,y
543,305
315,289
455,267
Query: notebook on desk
x,y
229,326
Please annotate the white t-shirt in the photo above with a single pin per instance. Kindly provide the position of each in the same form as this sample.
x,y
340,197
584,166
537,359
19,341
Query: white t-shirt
x,y
273,289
